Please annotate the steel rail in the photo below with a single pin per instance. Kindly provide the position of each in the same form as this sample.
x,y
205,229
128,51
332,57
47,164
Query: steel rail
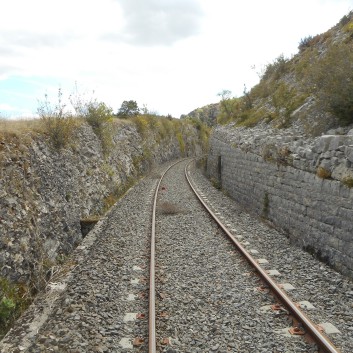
x,y
322,341
152,291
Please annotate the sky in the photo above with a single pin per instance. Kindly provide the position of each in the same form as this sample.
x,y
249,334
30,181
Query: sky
x,y
171,56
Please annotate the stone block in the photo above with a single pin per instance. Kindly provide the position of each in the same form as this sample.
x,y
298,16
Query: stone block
x,y
334,243
349,153
322,143
339,141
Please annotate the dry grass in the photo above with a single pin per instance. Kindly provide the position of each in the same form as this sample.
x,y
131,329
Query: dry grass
x,y
348,181
24,126
168,208
323,173
19,127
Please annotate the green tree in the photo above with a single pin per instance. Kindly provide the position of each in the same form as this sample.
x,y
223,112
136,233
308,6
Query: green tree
x,y
128,109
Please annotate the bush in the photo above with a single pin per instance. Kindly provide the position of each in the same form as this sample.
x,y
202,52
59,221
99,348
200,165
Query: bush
x,y
230,110
7,307
331,80
142,123
323,173
15,298
345,19
276,69
57,123
305,43
285,100
181,143
348,181
204,131
99,115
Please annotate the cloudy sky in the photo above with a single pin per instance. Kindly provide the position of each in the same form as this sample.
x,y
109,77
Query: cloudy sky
x,y
170,55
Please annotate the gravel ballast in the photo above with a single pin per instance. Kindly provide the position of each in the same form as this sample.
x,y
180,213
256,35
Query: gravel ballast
x,y
329,292
87,308
207,297
209,293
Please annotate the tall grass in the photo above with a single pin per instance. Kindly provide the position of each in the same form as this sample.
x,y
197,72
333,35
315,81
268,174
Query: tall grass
x,y
19,127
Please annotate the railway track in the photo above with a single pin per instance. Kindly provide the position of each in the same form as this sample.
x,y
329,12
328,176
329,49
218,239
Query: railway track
x,y
202,295
299,323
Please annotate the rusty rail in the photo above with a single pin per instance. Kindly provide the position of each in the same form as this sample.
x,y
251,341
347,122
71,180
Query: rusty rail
x,y
321,340
152,291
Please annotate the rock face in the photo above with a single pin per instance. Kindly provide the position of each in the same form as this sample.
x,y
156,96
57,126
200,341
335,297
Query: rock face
x,y
207,114
44,193
302,185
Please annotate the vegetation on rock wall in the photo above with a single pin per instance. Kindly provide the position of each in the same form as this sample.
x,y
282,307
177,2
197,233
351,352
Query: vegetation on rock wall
x,y
14,299
66,166
207,114
314,88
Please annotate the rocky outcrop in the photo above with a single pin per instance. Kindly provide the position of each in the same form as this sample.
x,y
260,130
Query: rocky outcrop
x,y
44,193
302,185
206,114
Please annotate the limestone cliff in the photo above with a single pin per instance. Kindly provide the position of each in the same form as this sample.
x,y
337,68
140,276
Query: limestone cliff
x,y
45,192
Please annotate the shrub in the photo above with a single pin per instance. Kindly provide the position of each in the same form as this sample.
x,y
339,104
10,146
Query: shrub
x,y
99,115
345,19
285,100
141,124
331,80
181,143
7,306
348,181
166,127
276,69
58,123
323,173
230,110
15,298
203,130
305,43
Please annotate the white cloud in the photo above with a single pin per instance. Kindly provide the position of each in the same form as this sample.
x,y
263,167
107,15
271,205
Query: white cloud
x,y
173,55
160,22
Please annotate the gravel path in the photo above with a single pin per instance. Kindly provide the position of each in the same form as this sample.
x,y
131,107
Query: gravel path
x,y
206,292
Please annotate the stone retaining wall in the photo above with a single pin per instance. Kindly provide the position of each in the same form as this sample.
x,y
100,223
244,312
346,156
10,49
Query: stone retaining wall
x,y
268,173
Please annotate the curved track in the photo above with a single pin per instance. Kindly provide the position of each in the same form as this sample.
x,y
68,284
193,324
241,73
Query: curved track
x,y
301,322
205,293
324,344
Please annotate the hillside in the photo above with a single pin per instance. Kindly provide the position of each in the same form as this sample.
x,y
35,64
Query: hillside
x,y
207,114
312,91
